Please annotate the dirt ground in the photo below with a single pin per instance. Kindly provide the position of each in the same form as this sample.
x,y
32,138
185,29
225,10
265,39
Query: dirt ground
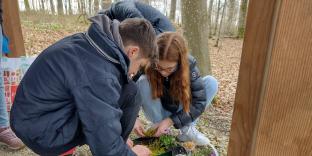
x,y
215,122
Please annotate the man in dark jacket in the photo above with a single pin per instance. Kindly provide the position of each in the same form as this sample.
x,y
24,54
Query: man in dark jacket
x,y
78,90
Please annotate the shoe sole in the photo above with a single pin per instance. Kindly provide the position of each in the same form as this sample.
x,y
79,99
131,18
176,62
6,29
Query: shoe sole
x,y
185,140
10,147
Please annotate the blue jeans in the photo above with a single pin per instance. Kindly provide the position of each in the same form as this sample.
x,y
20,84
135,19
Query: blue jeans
x,y
153,109
4,118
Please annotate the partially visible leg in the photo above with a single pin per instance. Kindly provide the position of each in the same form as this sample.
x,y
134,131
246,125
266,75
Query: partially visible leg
x,y
130,101
152,108
4,118
211,87
190,132
7,136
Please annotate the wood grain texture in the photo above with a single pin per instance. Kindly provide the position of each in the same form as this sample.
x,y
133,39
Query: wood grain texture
x,y
273,106
285,124
257,42
12,27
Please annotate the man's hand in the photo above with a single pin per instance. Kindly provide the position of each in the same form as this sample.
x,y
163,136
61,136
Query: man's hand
x,y
130,143
138,128
140,150
163,127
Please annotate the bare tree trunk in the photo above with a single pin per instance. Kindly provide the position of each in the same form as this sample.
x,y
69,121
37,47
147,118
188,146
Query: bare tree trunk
x,y
27,7
165,8
96,6
66,6
70,10
106,4
42,5
210,18
79,6
221,23
90,7
242,18
33,5
230,17
102,3
60,10
173,9
195,26
217,18
52,7
146,1
83,6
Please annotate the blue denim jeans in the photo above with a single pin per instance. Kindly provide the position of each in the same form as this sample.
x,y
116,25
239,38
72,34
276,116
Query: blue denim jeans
x,y
4,118
153,109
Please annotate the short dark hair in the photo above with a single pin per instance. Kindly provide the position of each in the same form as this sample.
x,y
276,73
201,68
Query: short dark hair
x,y
140,32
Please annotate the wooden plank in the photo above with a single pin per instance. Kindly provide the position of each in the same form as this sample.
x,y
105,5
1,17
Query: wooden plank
x,y
273,105
12,27
285,124
259,26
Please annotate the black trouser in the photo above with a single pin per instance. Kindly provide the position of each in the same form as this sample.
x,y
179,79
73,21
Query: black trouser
x,y
130,103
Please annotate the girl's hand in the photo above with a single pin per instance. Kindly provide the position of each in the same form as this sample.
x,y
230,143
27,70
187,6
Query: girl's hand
x,y
163,127
130,143
139,128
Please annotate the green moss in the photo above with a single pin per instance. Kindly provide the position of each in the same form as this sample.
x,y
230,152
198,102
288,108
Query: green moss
x,y
150,132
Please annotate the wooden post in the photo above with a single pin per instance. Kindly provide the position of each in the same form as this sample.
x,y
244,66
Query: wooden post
x,y
273,106
12,27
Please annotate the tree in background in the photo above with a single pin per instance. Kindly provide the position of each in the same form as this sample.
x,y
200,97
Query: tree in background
x,y
217,17
70,9
27,6
33,5
242,18
90,7
83,7
195,26
146,1
52,7
41,4
60,10
96,6
221,23
106,4
66,7
210,18
230,17
173,9
232,25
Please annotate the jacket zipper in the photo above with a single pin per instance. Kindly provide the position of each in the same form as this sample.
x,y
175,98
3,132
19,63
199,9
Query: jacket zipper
x,y
99,50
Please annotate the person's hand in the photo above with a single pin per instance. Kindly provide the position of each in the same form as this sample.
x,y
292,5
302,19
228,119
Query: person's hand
x,y
138,128
163,127
140,150
130,143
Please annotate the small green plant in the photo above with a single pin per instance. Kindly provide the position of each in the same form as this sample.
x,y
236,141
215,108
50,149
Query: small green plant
x,y
168,141
156,148
159,145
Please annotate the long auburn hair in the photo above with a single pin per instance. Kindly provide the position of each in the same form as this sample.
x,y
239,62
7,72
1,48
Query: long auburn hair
x,y
172,47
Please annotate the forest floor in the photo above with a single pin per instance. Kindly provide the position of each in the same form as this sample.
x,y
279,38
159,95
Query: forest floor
x,y
39,32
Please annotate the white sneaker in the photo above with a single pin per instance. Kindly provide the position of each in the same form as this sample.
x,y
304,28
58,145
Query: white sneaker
x,y
190,133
